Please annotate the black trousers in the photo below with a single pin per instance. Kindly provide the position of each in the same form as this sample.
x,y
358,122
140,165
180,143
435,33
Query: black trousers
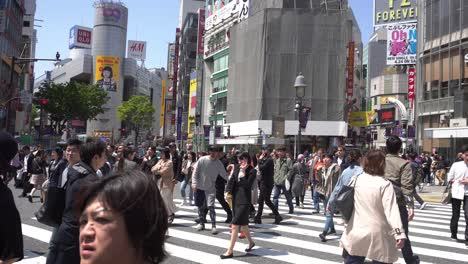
x,y
220,188
406,250
265,198
27,187
456,206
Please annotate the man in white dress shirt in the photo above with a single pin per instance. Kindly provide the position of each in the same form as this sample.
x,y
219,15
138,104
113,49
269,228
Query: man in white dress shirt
x,y
458,177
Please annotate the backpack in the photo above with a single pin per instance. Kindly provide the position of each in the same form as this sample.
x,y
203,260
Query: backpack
x,y
418,173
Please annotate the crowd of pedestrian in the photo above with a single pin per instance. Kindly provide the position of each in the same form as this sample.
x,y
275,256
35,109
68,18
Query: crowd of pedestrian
x,y
102,198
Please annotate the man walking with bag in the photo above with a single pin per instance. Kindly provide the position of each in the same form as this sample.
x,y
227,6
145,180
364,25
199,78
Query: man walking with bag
x,y
399,172
283,167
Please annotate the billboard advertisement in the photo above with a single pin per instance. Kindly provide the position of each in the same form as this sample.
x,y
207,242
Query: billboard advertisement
x,y
218,10
170,60
201,29
360,119
80,37
402,44
107,72
163,101
136,50
394,11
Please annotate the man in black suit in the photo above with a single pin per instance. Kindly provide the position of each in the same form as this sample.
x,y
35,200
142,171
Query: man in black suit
x,y
27,169
340,158
267,168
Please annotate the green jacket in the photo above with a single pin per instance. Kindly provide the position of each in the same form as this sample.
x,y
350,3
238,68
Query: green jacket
x,y
399,172
283,167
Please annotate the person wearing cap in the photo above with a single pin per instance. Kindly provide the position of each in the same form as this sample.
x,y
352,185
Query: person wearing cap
x,y
283,168
11,238
204,186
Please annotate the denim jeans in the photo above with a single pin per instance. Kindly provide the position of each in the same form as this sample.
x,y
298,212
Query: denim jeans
x,y
316,199
329,225
183,186
276,193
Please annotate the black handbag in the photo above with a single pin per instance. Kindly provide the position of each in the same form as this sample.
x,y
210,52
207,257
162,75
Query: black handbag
x,y
345,200
51,211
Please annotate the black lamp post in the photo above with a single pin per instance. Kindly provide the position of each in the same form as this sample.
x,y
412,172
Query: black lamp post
x,y
300,86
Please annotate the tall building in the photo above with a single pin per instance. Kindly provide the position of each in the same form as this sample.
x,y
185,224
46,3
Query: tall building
x,y
98,56
12,14
442,83
252,60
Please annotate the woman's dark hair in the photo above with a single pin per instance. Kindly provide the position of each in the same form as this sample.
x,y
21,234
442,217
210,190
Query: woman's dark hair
x,y
354,155
245,156
136,196
59,152
91,148
9,148
167,153
194,156
374,163
109,69
128,151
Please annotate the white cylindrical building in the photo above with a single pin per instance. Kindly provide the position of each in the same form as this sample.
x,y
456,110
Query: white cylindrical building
x,y
108,51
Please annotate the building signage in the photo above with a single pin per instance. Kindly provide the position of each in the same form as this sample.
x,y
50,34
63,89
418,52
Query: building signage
x,y
176,67
394,11
192,101
80,37
411,85
170,62
386,115
163,106
360,119
384,99
350,85
219,12
136,50
466,58
107,72
201,29
216,43
112,14
401,44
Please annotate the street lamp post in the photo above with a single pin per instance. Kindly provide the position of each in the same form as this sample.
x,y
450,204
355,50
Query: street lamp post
x,y
300,86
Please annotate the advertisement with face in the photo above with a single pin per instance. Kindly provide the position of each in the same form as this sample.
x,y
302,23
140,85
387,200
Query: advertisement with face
x,y
107,72
402,41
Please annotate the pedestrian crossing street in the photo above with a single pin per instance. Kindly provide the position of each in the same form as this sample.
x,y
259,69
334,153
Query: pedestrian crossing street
x,y
295,240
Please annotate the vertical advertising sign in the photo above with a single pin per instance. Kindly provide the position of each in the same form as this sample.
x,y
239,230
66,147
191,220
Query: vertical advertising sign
x,y
192,101
163,104
179,123
401,44
107,72
350,84
201,29
411,85
176,67
170,61
244,10
136,50
394,11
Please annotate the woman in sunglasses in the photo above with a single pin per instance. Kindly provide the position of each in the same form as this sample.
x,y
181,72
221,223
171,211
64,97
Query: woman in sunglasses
x,y
239,187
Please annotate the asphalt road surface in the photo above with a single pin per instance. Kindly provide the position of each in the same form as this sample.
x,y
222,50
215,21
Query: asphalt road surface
x,y
295,240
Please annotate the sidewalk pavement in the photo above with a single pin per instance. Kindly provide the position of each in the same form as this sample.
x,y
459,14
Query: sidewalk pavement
x,y
431,193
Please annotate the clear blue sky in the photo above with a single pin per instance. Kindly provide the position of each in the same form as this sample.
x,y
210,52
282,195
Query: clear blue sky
x,y
153,21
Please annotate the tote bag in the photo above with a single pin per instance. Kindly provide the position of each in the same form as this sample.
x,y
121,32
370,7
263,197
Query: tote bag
x,y
345,199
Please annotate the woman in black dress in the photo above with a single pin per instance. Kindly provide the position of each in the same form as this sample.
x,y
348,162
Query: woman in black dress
x,y
239,187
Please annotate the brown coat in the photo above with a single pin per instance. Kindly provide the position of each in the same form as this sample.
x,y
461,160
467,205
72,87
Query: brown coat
x,y
164,168
375,224
327,179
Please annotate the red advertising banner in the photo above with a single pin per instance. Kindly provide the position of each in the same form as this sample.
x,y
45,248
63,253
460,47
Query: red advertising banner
x,y
411,84
201,29
350,85
176,68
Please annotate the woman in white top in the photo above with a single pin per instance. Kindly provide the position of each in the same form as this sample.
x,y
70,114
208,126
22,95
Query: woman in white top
x,y
458,177
375,230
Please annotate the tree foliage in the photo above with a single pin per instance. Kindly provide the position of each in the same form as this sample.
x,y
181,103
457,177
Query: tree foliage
x,y
138,111
73,100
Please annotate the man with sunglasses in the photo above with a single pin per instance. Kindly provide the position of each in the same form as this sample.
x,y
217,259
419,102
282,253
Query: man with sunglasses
x,y
204,186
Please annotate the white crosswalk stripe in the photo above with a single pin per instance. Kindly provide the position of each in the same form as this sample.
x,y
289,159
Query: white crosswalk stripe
x,y
294,241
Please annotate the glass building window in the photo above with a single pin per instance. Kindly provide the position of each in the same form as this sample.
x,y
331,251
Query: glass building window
x,y
444,15
435,19
455,15
428,15
465,14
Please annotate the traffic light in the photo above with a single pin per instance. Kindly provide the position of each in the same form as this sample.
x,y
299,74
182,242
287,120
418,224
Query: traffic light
x,y
43,102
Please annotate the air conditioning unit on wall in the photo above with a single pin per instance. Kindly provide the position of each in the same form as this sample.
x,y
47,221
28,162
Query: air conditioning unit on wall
x,y
458,122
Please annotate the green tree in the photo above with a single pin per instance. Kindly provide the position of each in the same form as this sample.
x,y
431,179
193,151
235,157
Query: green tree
x,y
34,115
73,100
137,111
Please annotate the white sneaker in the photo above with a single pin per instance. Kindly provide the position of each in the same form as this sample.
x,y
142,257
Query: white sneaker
x,y
422,206
201,227
214,231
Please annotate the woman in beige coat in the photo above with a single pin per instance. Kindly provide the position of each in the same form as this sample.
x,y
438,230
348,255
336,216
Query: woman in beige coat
x,y
375,230
166,182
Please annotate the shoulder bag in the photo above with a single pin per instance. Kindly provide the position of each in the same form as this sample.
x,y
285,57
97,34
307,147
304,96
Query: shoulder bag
x,y
447,194
345,200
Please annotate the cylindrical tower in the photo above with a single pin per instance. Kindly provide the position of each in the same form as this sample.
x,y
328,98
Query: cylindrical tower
x,y
108,51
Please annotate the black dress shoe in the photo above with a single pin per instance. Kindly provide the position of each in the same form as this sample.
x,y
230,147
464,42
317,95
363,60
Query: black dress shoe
x,y
454,237
250,248
226,256
322,238
258,221
278,219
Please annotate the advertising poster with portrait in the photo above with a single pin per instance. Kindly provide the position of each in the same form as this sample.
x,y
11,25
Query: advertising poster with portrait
x,y
107,72
402,42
